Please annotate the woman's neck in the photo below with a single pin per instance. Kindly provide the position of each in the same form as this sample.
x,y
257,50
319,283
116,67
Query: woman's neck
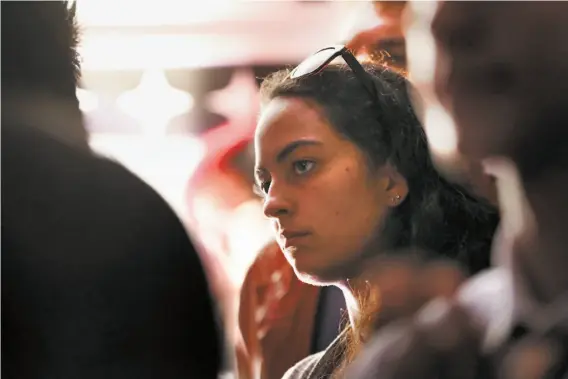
x,y
356,299
363,297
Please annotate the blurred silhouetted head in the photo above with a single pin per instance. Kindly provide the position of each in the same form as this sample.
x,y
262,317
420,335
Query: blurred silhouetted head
x,y
501,73
39,46
40,67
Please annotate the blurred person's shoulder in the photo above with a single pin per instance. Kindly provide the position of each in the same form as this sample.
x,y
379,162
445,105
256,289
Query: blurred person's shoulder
x,y
80,223
489,299
67,171
85,200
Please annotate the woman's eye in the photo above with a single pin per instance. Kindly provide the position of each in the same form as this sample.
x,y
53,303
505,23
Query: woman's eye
x,y
303,166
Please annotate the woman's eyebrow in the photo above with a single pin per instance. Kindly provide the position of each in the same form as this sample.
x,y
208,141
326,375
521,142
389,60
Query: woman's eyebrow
x,y
289,149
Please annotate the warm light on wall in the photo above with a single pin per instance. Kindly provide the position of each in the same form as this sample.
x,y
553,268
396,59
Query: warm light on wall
x,y
248,232
239,101
441,132
238,235
420,45
88,101
154,102
210,226
165,163
141,51
146,13
128,34
421,52
363,17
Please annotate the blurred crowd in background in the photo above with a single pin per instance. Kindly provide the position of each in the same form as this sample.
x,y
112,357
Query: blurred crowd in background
x,y
134,242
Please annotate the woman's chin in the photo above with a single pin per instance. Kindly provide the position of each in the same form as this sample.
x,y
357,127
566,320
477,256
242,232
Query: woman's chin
x,y
316,274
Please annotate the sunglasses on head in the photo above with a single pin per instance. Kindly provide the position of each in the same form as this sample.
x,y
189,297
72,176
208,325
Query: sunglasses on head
x,y
321,59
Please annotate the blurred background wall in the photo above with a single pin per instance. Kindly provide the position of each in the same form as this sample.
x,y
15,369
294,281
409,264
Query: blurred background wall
x,y
170,89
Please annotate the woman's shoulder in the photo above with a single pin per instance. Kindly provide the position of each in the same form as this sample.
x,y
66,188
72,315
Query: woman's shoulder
x,y
304,368
320,365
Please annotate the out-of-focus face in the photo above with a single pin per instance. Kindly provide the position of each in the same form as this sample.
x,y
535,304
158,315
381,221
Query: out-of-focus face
x,y
325,203
500,71
377,33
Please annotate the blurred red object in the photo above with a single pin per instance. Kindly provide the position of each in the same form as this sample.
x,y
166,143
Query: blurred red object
x,y
276,317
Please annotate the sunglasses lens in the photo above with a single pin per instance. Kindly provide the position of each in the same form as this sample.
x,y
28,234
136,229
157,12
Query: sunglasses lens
x,y
314,63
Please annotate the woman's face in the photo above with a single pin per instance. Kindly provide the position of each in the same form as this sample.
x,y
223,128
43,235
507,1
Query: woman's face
x,y
324,202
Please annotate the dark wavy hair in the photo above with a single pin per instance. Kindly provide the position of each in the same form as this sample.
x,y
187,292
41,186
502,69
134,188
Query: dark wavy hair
x,y
437,217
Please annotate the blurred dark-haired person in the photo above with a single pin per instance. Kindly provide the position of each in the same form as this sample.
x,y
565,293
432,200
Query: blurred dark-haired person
x,y
508,108
99,278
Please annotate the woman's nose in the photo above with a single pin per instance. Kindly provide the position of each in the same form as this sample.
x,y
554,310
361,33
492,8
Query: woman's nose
x,y
275,204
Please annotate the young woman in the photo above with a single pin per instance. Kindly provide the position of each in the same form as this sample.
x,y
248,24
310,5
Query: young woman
x,y
344,168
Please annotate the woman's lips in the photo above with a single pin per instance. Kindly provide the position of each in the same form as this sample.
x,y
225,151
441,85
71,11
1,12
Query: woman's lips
x,y
291,238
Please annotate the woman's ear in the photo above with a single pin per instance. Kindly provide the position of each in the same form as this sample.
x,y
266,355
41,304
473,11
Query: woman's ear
x,y
396,186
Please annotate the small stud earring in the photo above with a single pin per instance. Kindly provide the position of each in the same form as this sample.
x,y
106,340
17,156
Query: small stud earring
x,y
396,199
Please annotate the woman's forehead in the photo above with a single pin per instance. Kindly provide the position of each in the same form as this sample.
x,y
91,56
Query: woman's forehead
x,y
289,119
